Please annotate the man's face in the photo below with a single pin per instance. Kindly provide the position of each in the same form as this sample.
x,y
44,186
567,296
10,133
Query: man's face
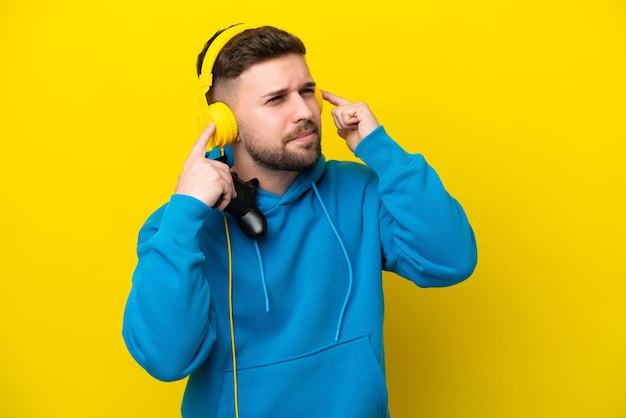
x,y
277,114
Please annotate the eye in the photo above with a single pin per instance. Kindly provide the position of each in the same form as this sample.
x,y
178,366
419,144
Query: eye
x,y
275,99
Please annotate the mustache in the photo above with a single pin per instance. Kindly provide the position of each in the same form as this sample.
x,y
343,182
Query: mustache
x,y
304,127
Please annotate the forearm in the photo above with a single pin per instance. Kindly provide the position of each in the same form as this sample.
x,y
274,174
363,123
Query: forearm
x,y
426,234
167,325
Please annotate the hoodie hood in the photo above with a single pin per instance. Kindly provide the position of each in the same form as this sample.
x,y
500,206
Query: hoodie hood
x,y
302,184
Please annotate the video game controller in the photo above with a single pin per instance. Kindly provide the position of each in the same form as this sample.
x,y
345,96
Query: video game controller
x,y
243,208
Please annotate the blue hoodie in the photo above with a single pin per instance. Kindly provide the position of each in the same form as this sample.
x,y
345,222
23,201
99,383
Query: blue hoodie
x,y
308,299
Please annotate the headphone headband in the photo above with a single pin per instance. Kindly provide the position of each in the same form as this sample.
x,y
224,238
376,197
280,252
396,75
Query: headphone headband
x,y
206,75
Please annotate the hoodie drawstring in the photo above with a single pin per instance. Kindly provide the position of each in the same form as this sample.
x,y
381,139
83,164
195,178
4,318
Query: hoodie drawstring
x,y
345,254
263,281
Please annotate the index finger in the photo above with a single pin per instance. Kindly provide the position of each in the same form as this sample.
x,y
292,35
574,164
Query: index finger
x,y
199,147
334,99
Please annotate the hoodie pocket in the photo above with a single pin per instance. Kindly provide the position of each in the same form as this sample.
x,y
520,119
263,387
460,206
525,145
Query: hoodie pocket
x,y
343,380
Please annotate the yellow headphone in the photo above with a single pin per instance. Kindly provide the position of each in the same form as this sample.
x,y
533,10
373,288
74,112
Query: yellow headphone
x,y
225,123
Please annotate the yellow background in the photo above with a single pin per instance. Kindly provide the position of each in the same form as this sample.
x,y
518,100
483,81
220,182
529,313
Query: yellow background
x,y
520,106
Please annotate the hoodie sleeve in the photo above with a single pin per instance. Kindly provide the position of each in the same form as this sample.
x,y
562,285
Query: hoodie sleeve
x,y
425,234
167,326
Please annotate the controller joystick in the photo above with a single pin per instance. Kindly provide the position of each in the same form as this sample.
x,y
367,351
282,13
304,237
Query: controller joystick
x,y
243,208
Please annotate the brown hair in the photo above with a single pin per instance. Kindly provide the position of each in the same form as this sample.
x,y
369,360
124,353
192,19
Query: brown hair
x,y
246,49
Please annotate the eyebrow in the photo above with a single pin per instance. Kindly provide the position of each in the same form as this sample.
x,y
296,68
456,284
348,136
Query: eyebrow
x,y
279,92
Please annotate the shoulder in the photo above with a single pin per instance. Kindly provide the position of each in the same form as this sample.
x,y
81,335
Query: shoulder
x,y
348,179
348,171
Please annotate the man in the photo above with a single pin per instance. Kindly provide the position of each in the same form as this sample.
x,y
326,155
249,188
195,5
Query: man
x,y
289,324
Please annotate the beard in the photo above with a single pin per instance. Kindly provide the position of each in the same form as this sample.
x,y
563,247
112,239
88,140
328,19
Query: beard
x,y
279,157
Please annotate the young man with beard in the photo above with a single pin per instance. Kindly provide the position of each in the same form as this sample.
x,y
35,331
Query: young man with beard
x,y
289,324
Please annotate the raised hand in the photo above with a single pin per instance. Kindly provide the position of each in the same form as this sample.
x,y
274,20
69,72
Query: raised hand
x,y
354,121
206,180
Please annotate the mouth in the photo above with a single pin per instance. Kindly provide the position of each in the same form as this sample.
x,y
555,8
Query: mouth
x,y
304,134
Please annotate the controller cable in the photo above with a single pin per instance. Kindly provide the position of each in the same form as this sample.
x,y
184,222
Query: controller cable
x,y
230,312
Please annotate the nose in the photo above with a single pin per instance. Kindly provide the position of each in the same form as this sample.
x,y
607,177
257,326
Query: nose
x,y
301,107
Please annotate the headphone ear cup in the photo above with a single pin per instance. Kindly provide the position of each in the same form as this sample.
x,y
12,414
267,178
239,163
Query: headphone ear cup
x,y
226,129
319,99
